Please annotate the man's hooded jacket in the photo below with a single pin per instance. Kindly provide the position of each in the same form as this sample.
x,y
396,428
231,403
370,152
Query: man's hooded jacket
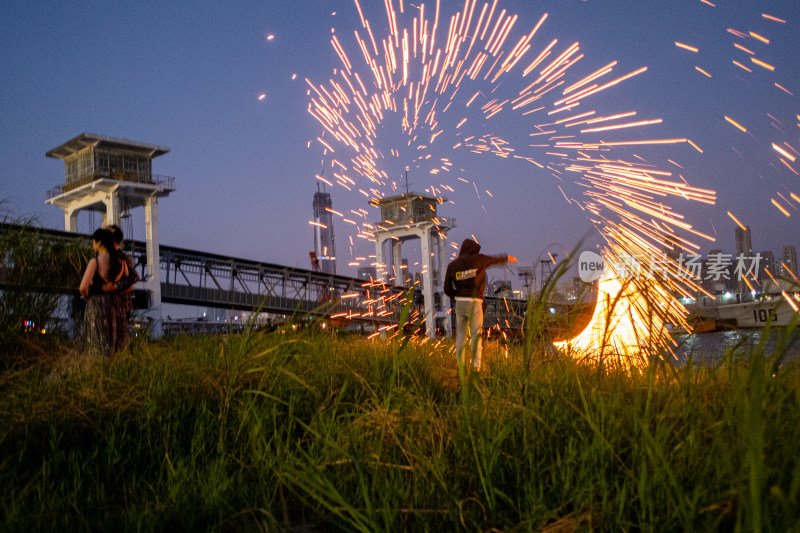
x,y
466,275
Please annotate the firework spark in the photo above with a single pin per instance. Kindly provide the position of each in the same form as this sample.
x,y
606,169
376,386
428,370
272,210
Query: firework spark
x,y
437,83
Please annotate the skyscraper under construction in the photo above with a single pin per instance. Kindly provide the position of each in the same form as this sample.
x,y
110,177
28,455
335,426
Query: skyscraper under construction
x,y
324,242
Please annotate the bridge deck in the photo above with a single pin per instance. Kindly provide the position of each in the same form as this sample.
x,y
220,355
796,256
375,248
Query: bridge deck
x,y
199,278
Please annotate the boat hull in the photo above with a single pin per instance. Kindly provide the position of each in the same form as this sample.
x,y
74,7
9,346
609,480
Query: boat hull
x,y
775,312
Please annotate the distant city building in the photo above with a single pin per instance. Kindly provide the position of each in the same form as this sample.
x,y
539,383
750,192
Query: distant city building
x,y
367,273
744,248
578,289
789,261
744,242
720,272
767,264
215,314
324,242
717,272
675,252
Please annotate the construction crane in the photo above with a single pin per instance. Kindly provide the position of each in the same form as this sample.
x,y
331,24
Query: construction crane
x,y
546,266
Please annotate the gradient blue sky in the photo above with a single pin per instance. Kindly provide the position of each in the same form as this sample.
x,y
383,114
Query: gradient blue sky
x,y
188,75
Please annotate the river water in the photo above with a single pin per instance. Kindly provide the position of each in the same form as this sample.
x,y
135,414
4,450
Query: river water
x,y
711,347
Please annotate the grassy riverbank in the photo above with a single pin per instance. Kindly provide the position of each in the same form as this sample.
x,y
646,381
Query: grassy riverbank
x,y
268,432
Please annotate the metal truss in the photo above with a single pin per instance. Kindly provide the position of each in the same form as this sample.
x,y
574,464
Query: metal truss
x,y
197,278
203,279
200,278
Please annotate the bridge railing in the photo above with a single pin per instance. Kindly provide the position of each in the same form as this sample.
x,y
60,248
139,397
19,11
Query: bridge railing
x,y
198,278
162,183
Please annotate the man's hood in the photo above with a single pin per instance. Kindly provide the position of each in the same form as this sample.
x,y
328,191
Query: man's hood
x,y
469,247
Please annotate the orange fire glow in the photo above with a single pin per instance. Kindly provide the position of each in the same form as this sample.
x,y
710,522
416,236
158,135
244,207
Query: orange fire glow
x,y
624,327
628,322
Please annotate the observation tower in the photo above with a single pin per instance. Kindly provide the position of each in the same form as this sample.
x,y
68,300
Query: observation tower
x,y
111,175
414,216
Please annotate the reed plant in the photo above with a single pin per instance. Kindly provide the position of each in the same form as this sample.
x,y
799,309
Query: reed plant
x,y
312,432
34,271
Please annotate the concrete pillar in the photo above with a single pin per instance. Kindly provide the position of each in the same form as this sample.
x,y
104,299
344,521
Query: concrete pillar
x,y
380,261
427,284
71,220
432,244
381,272
397,261
442,271
153,267
112,212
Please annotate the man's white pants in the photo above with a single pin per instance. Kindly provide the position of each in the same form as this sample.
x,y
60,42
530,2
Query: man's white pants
x,y
469,314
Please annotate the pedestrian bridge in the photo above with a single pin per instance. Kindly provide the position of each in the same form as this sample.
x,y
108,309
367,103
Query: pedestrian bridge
x,y
204,279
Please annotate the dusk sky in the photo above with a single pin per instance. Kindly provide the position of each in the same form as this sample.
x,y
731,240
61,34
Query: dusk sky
x,y
189,76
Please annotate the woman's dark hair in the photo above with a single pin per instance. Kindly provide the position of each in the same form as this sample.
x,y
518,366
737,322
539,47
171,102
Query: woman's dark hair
x,y
106,238
116,233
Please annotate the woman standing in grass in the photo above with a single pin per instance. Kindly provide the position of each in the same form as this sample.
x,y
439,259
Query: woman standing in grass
x,y
122,290
100,320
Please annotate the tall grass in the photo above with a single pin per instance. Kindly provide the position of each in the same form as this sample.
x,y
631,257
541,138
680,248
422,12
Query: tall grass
x,y
310,432
34,270
313,432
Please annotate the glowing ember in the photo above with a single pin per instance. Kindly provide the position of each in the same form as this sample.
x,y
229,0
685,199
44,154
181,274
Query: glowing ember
x,y
737,221
738,126
686,47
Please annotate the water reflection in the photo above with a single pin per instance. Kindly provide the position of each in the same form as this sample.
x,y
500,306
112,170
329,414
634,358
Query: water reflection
x,y
711,347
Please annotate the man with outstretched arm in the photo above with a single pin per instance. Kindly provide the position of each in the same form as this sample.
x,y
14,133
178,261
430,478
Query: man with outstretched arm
x,y
465,281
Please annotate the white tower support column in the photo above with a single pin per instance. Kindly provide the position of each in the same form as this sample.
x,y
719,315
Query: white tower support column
x,y
71,219
441,243
427,285
397,261
432,243
112,203
380,260
153,266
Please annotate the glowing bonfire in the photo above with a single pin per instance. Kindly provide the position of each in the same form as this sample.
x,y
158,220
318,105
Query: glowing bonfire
x,y
628,323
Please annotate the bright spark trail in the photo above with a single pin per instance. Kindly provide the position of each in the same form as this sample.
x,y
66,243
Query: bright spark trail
x,y
437,84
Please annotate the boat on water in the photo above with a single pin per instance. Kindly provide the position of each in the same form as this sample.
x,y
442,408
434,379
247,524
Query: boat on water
x,y
773,311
